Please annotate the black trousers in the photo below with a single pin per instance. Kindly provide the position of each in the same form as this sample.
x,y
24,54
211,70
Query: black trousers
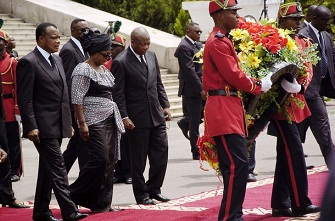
x,y
233,163
151,143
94,186
75,149
13,137
192,110
290,185
320,127
6,191
51,175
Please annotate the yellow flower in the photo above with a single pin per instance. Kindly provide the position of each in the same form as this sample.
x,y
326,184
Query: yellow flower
x,y
246,46
253,60
239,34
291,45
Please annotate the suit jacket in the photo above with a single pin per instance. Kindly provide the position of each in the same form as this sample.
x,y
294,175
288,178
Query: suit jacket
x,y
139,93
321,86
190,72
43,96
71,56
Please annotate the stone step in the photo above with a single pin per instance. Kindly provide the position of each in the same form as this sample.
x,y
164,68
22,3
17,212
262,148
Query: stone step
x,y
13,30
17,24
170,82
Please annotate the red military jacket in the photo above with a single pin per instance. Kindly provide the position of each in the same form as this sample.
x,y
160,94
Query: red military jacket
x,y
8,73
296,113
224,114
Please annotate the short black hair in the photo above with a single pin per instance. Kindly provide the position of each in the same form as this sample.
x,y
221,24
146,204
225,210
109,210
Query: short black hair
x,y
76,21
191,24
41,29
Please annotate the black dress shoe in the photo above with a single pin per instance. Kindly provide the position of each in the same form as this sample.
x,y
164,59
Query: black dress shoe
x,y
310,167
114,209
14,178
48,218
128,181
146,201
15,205
196,156
160,197
307,210
75,216
251,178
183,128
282,212
118,180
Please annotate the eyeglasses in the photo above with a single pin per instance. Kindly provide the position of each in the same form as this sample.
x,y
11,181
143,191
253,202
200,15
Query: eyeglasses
x,y
106,56
83,30
198,32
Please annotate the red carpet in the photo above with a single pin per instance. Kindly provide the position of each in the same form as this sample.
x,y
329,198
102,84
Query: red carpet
x,y
201,207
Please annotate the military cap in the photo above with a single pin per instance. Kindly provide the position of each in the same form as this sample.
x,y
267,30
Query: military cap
x,y
216,5
118,40
290,10
4,35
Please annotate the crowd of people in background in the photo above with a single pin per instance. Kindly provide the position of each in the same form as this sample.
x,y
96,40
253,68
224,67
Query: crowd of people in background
x,y
110,100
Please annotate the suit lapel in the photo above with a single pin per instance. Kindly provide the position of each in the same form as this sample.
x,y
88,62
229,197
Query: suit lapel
x,y
49,71
78,51
133,60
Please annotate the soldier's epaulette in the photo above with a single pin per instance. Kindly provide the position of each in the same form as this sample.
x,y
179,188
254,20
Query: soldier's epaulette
x,y
219,35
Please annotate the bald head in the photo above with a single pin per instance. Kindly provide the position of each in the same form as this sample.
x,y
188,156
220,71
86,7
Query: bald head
x,y
321,18
140,40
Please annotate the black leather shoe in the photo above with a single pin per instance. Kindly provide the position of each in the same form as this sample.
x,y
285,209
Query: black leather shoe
x,y
15,205
160,197
282,212
114,209
118,180
183,128
75,216
128,181
310,167
196,156
307,210
48,218
146,201
14,178
251,178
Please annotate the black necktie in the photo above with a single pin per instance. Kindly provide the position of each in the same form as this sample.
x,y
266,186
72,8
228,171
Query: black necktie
x,y
324,60
52,62
143,62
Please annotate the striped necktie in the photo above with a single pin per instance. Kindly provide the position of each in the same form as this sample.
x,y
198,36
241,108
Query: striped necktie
x,y
324,60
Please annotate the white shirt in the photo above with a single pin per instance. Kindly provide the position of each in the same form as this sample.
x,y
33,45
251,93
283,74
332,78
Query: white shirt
x,y
137,55
78,44
44,53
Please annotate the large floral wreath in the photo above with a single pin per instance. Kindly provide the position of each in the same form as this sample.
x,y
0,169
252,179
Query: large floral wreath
x,y
259,45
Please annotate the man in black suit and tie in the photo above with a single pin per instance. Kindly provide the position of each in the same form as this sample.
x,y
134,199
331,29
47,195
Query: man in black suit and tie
x,y
72,54
144,107
308,17
190,85
322,84
44,101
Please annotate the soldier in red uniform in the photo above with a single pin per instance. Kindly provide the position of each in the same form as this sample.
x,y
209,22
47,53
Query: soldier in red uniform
x,y
290,186
8,72
224,113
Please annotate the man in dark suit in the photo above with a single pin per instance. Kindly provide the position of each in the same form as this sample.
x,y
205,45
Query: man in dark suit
x,y
322,84
190,85
72,54
43,97
144,107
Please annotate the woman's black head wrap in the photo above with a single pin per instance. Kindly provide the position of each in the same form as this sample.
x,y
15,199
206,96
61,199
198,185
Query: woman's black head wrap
x,y
95,42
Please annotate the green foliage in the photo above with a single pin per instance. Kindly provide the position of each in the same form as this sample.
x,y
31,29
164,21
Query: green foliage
x,y
165,15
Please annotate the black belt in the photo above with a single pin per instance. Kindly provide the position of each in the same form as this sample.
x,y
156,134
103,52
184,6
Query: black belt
x,y
222,93
7,96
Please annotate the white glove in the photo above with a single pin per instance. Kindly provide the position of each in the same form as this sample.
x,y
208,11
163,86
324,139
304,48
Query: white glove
x,y
18,118
266,83
293,87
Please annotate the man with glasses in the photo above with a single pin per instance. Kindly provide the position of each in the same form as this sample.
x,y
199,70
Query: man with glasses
x,y
190,85
72,54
